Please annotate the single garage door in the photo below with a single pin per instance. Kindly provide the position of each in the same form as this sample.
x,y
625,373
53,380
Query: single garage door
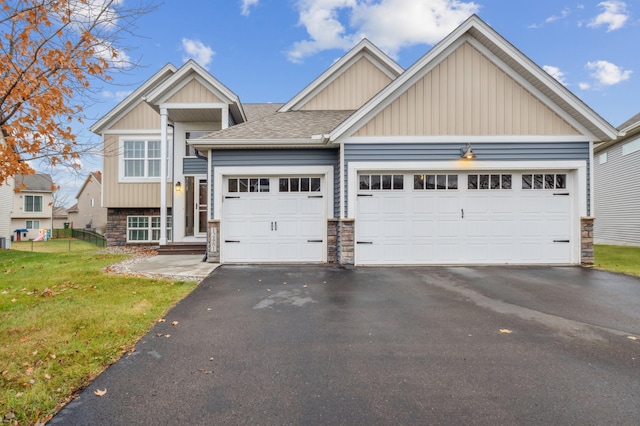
x,y
458,218
273,219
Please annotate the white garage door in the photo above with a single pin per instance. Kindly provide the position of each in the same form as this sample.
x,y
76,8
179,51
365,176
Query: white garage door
x,y
457,218
273,219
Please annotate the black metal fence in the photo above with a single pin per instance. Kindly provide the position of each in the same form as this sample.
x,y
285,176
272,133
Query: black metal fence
x,y
81,234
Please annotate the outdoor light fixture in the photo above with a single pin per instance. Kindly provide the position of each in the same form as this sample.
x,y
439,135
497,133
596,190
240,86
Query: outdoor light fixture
x,y
178,186
467,152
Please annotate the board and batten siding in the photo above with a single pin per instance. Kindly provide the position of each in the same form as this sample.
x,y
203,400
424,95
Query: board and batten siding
x,y
507,152
116,194
141,116
194,92
283,158
351,89
617,197
466,94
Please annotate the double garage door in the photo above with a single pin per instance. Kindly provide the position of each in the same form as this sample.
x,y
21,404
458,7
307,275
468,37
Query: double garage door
x,y
457,218
273,219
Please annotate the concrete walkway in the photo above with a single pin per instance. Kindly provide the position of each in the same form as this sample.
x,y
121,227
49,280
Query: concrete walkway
x,y
185,267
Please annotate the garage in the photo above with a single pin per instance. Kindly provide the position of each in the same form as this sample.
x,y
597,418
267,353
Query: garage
x,y
273,219
454,217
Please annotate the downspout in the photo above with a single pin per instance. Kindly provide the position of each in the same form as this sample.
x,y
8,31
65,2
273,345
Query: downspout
x,y
173,178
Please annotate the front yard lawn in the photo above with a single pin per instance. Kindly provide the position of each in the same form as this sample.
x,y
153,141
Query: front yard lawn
x,y
622,259
63,321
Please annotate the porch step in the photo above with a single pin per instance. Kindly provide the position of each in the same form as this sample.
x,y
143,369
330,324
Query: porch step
x,y
183,248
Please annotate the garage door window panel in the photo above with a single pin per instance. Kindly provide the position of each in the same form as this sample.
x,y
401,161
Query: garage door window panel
x,y
544,181
387,182
435,182
489,181
299,184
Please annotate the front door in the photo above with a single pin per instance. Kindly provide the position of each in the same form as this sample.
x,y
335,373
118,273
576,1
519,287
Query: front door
x,y
196,206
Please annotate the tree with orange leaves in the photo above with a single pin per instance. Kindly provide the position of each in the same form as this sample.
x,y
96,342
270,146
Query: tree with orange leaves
x,y
50,53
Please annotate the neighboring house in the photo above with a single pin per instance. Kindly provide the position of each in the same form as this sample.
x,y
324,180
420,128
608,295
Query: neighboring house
x,y
6,203
617,187
60,217
88,212
363,166
32,205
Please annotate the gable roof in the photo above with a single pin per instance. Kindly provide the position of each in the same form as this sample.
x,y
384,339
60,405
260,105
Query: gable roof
x,y
191,69
39,182
364,48
93,176
565,103
630,123
132,100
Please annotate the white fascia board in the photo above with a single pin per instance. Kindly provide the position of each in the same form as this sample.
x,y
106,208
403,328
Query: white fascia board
x,y
264,171
580,166
132,100
439,52
170,86
248,143
401,81
132,132
553,84
462,139
364,47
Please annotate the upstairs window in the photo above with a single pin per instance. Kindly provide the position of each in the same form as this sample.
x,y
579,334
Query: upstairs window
x,y
141,158
33,203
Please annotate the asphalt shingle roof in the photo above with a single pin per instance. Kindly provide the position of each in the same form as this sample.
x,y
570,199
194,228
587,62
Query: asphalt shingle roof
x,y
38,183
284,125
630,121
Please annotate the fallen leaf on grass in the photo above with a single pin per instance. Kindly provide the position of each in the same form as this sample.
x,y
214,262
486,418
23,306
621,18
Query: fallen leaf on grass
x,y
48,377
99,392
505,331
162,320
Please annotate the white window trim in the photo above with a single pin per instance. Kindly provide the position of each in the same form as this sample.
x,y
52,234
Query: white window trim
x,y
24,204
139,179
32,223
631,147
149,229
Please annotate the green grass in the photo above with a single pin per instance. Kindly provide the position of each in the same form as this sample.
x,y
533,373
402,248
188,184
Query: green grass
x,y
53,246
621,259
63,321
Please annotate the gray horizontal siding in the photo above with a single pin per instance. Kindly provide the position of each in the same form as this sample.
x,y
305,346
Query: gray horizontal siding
x,y
617,197
194,166
284,158
451,151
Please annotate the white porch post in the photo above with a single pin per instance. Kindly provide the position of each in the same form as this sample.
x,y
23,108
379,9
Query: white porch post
x,y
163,176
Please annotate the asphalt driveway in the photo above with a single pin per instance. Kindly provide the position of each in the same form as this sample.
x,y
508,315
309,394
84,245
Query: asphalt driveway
x,y
430,345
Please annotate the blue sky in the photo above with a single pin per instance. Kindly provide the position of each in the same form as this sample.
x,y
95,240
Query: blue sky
x,y
269,50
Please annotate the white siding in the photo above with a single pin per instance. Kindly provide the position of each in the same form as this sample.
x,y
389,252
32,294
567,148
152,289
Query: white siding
x,y
617,197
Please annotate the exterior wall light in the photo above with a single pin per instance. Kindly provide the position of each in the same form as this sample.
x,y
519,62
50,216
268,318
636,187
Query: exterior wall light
x,y
467,152
178,187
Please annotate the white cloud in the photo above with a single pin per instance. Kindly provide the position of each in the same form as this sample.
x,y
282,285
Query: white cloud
x,y
615,15
584,86
607,73
563,14
246,5
555,73
198,51
117,95
105,50
390,24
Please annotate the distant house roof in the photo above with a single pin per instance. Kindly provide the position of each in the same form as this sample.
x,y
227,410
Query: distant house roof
x,y
73,208
60,212
38,182
93,176
633,120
